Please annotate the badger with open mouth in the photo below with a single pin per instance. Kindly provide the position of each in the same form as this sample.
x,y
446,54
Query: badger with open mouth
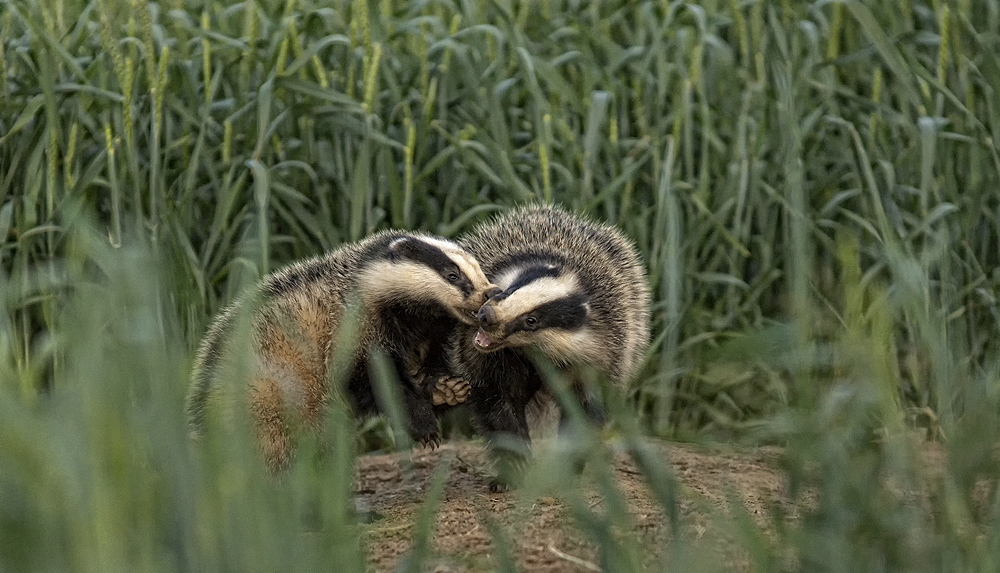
x,y
406,293
574,291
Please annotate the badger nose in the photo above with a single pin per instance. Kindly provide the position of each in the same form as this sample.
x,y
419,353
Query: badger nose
x,y
487,316
492,293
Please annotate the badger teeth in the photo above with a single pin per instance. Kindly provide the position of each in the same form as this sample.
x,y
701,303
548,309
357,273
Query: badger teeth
x,y
451,391
484,340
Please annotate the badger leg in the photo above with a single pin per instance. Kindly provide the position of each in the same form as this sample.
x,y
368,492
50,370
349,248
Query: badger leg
x,y
419,405
510,449
586,395
592,408
267,408
428,368
423,423
501,419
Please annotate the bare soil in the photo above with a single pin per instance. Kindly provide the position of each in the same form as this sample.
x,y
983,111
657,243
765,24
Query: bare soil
x,y
542,532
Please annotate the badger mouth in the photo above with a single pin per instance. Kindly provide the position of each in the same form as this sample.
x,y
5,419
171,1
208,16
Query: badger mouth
x,y
486,343
467,315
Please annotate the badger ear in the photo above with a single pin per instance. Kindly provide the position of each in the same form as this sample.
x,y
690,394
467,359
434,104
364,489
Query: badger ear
x,y
401,248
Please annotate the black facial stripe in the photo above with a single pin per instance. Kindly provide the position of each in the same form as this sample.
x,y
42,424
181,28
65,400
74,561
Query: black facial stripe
x,y
528,276
464,284
433,257
568,313
526,260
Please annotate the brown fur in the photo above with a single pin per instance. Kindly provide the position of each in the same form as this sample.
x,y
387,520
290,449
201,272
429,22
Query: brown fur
x,y
280,371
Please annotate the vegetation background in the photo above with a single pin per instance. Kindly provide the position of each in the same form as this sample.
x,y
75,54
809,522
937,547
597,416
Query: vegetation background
x,y
815,185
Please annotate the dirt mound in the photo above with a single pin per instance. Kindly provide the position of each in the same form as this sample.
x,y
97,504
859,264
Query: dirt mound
x,y
543,534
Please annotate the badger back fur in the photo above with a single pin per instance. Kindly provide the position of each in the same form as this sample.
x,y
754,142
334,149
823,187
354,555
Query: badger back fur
x,y
407,292
573,290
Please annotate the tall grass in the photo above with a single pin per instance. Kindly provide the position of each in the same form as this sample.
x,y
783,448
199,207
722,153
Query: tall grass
x,y
816,188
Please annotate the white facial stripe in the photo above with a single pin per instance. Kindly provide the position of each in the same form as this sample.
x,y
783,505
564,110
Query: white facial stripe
x,y
507,278
384,280
470,266
534,294
444,245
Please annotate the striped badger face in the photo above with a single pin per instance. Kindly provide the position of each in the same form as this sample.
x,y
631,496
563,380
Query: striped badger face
x,y
429,270
541,305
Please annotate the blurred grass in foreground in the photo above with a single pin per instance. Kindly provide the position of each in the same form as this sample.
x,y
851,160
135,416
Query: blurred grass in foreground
x,y
100,473
816,188
102,476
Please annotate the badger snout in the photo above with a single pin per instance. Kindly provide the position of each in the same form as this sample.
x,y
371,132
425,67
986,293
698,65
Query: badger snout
x,y
487,316
493,292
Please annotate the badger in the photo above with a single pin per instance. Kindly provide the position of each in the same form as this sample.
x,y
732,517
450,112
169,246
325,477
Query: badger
x,y
404,293
573,291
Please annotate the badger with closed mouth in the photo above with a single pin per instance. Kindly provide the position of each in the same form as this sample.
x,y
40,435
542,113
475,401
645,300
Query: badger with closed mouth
x,y
574,291
406,292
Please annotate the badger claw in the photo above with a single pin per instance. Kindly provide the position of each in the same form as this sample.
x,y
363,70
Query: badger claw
x,y
499,486
451,391
432,442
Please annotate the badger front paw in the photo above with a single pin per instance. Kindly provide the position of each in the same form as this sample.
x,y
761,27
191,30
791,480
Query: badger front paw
x,y
432,441
423,427
425,434
451,391
497,485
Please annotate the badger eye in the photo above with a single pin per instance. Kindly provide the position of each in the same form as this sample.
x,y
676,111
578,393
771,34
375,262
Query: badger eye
x,y
453,277
531,322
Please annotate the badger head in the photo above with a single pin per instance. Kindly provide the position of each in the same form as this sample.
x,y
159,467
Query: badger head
x,y
543,306
429,270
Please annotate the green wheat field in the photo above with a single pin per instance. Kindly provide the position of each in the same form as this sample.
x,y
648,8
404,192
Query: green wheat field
x,y
815,186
